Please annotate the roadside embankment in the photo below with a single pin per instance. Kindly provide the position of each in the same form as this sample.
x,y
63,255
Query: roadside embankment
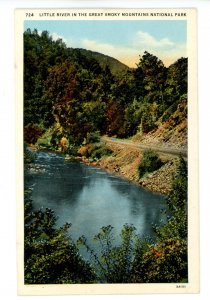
x,y
125,161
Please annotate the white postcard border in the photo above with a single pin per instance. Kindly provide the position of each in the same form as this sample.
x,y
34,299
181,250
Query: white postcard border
x,y
193,285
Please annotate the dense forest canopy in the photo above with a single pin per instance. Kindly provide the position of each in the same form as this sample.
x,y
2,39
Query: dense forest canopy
x,y
73,92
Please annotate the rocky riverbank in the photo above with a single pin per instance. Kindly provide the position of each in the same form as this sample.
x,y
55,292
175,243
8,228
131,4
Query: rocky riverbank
x,y
124,162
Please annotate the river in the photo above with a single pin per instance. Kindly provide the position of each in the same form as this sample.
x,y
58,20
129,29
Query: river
x,y
90,198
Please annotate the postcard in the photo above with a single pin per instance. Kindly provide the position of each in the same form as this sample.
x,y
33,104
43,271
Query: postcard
x,y
107,160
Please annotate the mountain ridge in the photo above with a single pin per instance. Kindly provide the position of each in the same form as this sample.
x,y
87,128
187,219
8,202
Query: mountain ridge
x,y
104,60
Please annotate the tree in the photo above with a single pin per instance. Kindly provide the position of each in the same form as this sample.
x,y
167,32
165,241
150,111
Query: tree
x,y
50,256
176,82
70,89
75,98
40,53
115,119
152,76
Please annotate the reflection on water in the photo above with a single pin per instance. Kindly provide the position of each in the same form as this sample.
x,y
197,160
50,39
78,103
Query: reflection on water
x,y
90,198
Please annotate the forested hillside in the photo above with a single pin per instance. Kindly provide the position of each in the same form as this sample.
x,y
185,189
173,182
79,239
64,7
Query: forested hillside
x,y
71,98
116,67
74,92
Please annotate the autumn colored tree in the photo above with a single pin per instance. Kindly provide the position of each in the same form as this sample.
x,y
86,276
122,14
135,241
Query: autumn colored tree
x,y
70,89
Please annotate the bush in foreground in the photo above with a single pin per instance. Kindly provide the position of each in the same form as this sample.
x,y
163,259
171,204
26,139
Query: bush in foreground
x,y
50,256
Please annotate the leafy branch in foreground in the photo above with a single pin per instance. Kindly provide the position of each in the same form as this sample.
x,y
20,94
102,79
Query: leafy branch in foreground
x,y
113,264
50,256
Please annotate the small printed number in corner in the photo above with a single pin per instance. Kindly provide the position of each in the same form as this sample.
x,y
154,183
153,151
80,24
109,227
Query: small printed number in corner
x,y
180,286
29,15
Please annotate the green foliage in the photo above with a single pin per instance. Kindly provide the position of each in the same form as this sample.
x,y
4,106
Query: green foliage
x,y
176,83
84,91
176,212
45,139
94,151
147,123
150,162
40,52
93,137
169,111
178,196
114,263
136,260
75,93
28,157
153,76
72,149
100,151
50,256
114,65
165,262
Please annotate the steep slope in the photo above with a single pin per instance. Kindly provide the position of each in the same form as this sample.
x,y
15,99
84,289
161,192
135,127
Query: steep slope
x,y
171,128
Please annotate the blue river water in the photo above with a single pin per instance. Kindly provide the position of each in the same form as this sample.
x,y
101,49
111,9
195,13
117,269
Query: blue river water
x,y
89,197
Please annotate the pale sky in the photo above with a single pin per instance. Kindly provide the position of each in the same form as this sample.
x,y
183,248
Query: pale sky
x,y
123,40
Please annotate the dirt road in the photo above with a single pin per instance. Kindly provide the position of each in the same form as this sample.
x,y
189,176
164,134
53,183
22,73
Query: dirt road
x,y
163,150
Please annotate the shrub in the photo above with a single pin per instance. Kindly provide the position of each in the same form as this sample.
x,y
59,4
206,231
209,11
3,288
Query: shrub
x,y
72,150
93,137
165,262
113,263
149,163
86,150
94,151
45,139
100,151
28,157
50,255
32,133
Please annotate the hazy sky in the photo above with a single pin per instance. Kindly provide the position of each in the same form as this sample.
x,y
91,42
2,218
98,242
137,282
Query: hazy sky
x,y
123,40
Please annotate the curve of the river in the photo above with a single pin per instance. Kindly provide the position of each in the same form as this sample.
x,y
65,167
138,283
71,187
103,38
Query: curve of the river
x,y
90,198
